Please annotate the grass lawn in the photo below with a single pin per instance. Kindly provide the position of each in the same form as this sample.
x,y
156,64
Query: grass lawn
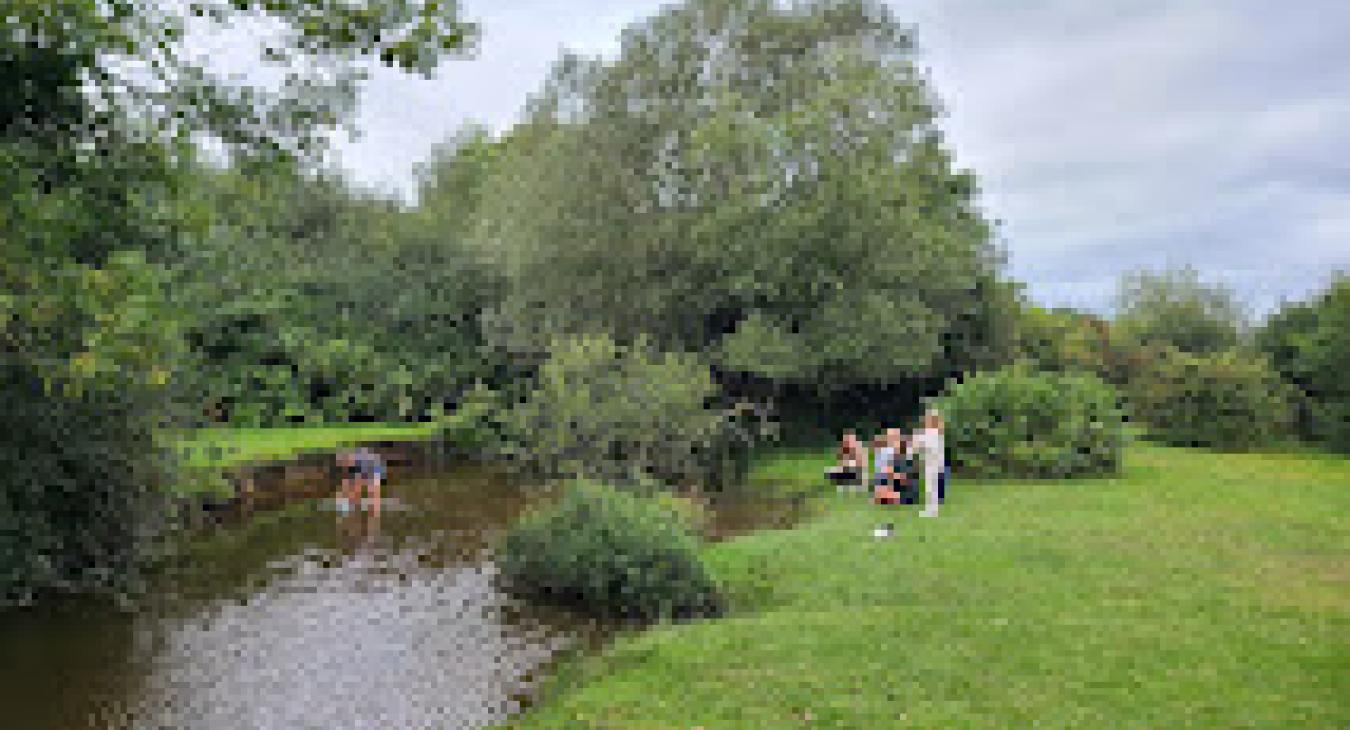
x,y
1196,590
216,447
206,451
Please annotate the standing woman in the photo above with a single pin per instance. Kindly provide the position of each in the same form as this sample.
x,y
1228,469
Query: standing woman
x,y
929,442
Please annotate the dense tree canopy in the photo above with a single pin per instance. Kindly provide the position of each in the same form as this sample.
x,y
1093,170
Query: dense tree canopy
x,y
761,182
1309,343
102,113
1065,340
1176,307
310,301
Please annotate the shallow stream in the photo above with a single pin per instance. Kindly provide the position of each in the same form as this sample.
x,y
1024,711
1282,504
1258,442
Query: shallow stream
x,y
304,617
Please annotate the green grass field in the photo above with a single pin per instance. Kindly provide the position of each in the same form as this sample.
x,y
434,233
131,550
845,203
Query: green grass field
x,y
1196,590
217,447
206,451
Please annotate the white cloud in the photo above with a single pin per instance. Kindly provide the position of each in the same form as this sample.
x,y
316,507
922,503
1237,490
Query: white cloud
x,y
1135,134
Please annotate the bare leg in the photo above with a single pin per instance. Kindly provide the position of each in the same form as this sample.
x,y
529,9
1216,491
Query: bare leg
x,y
348,491
373,488
930,485
373,525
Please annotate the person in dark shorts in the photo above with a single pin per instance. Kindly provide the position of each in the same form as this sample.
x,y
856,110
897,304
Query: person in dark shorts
x,y
362,471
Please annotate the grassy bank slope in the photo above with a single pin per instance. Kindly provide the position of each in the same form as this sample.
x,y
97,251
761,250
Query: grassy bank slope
x,y
218,447
1197,590
205,452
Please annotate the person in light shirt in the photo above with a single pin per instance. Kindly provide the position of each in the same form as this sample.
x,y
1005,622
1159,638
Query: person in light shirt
x,y
928,443
883,458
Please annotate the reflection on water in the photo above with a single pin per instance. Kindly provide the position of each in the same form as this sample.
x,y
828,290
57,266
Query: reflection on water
x,y
303,618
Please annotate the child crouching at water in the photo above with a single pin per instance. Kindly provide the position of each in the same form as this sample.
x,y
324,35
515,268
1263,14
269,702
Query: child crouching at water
x,y
362,470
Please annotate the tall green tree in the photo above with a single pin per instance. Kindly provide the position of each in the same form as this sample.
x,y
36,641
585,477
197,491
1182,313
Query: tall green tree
x,y
313,301
1309,343
759,181
1065,340
1176,307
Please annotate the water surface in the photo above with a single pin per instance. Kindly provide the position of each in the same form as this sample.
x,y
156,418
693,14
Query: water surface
x,y
303,617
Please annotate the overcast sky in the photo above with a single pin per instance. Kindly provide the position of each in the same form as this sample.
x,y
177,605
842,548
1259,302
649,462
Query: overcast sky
x,y
1107,135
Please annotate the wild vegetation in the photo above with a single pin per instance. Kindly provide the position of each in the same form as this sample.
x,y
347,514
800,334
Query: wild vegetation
x,y
612,553
99,94
744,224
762,186
1176,307
626,415
1020,423
1230,399
1308,345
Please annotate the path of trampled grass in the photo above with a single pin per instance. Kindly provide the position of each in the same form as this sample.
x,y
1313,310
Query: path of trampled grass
x,y
1196,590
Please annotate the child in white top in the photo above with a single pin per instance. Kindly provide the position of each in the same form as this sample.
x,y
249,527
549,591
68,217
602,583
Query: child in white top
x,y
883,458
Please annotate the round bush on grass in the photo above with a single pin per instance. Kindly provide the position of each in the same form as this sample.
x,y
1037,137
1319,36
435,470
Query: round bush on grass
x,y
608,553
1019,423
1227,400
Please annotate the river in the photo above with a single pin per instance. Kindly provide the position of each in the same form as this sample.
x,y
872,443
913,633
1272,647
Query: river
x,y
302,617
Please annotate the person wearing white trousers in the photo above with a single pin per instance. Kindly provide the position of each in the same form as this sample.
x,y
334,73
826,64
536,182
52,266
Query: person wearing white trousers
x,y
929,442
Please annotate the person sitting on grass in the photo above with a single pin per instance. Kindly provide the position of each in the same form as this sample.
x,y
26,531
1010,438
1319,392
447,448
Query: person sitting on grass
x,y
362,471
852,460
903,478
883,469
898,483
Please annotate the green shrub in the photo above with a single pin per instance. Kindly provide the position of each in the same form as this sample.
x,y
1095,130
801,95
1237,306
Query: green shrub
x,y
1064,340
1019,423
1228,400
76,504
689,513
471,428
625,415
82,367
609,553
1307,344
